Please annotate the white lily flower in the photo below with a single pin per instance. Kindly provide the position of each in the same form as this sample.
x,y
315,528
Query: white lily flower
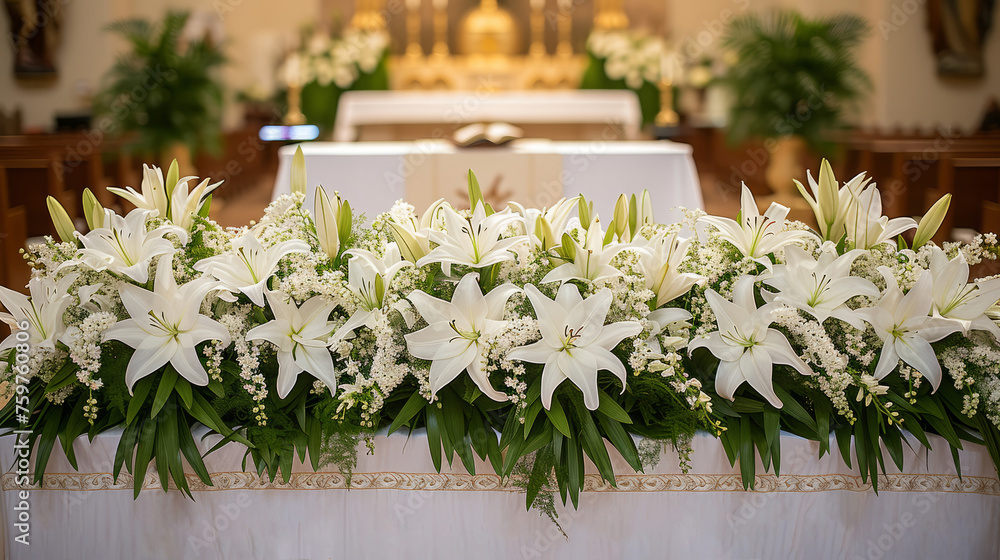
x,y
185,205
43,309
829,202
545,227
867,227
819,287
662,319
153,195
451,339
249,266
745,344
660,265
905,329
124,246
166,325
756,235
575,342
958,299
591,259
476,241
369,278
300,333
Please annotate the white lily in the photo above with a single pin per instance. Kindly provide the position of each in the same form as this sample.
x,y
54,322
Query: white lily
x,y
663,319
166,325
575,342
476,241
545,227
451,339
591,259
153,195
369,278
124,246
185,204
905,329
829,202
43,309
745,344
755,235
661,263
819,287
300,333
250,265
959,300
867,227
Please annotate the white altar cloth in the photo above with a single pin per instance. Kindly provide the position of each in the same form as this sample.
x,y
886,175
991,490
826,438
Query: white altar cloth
x,y
373,175
399,507
612,107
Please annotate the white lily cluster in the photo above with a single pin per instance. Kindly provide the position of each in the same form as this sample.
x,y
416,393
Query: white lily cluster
x,y
509,303
628,55
325,60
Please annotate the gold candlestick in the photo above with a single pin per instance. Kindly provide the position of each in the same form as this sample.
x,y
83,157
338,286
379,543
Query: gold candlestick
x,y
413,48
537,47
667,116
565,28
294,116
440,28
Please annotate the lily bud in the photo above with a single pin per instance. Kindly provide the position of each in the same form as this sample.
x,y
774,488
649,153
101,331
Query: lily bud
x,y
173,175
430,216
567,250
543,231
298,182
620,224
829,195
586,211
931,221
345,219
64,225
645,208
410,247
327,224
475,193
93,212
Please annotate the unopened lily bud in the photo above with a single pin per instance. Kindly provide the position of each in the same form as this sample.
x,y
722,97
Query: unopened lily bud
x,y
298,181
327,224
64,225
93,212
931,221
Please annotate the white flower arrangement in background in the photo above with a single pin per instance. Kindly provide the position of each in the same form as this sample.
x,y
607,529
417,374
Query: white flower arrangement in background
x,y
628,55
339,61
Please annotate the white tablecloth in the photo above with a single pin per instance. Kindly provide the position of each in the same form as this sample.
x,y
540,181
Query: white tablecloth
x,y
360,108
399,507
373,175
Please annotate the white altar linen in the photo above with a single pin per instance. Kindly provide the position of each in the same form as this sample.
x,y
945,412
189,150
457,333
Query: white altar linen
x,y
398,507
455,108
373,175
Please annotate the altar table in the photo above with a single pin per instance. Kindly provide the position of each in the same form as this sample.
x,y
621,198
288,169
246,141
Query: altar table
x,y
449,110
399,507
373,175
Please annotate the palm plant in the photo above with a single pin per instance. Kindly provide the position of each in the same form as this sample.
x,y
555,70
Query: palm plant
x,y
794,76
163,91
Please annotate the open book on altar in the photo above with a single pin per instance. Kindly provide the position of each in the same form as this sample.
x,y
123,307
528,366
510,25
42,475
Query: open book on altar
x,y
486,134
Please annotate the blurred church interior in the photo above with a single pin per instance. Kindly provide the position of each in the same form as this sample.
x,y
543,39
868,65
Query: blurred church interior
x,y
396,98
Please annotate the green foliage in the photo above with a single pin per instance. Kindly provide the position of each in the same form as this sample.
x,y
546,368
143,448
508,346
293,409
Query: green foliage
x,y
794,75
164,91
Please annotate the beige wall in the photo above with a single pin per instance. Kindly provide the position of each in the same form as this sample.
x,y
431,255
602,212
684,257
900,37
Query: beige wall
x,y
907,92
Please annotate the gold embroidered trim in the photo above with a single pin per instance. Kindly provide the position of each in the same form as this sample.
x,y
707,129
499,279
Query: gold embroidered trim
x,y
84,482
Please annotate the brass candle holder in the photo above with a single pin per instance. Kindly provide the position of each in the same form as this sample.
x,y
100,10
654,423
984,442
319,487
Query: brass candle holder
x,y
565,28
294,117
667,116
413,48
440,28
537,47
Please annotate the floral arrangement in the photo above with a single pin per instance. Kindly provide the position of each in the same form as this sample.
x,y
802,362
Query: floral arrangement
x,y
530,338
326,66
626,59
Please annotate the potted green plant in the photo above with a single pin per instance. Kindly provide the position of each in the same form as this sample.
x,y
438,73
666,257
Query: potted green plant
x,y
794,82
164,90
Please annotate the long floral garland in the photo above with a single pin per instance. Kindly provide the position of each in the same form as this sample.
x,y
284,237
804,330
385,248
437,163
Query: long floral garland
x,y
527,337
